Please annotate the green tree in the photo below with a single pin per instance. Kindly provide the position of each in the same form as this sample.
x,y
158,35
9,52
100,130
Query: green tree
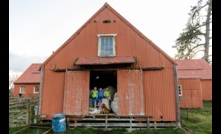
x,y
196,36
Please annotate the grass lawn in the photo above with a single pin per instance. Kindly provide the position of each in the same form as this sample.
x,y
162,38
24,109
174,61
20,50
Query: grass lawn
x,y
199,121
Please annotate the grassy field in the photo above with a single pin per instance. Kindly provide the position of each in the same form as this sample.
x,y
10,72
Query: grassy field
x,y
197,121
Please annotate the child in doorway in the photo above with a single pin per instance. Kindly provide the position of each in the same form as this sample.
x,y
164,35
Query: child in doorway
x,y
94,97
100,95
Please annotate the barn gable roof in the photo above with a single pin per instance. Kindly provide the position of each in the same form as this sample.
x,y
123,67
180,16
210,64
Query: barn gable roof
x,y
107,6
194,68
30,75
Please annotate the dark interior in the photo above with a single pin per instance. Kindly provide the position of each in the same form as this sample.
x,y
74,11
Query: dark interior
x,y
103,79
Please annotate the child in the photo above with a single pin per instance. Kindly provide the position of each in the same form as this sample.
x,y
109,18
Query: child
x,y
100,95
107,93
94,96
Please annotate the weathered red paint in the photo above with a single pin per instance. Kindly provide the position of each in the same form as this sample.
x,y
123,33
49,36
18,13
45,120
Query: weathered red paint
x,y
130,92
76,93
150,92
29,89
207,89
29,79
192,93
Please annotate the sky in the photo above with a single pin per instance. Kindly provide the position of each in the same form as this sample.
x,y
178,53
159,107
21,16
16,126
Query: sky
x,y
39,27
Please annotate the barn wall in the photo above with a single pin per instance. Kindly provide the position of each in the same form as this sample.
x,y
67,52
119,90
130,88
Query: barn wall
x,y
130,92
29,92
76,93
128,43
192,93
158,85
159,91
207,89
52,93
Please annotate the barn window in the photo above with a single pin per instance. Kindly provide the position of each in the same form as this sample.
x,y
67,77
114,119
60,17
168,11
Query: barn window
x,y
106,45
22,89
180,90
36,89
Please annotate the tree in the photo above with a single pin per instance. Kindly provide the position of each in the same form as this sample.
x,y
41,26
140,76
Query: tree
x,y
196,36
12,79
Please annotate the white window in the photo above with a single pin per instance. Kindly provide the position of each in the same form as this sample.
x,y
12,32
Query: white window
x,y
22,89
36,89
180,90
106,45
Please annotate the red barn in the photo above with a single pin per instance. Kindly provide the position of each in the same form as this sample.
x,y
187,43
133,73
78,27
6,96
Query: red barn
x,y
28,83
197,68
107,50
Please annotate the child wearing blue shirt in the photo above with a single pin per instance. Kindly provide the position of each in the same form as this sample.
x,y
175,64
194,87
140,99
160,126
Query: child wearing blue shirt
x,y
100,95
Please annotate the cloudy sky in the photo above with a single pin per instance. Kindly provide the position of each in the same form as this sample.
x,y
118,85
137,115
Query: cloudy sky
x,y
38,27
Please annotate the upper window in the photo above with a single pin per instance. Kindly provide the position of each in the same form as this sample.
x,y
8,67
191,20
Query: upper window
x,y
22,89
106,45
36,89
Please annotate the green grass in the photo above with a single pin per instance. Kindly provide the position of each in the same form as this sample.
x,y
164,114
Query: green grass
x,y
199,121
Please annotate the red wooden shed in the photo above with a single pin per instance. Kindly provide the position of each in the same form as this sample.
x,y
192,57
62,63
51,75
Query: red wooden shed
x,y
197,68
191,92
28,83
107,50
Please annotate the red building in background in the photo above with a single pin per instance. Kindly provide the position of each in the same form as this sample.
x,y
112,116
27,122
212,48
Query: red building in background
x,y
28,83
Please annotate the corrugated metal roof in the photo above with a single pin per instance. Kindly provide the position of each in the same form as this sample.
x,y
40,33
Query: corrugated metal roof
x,y
31,74
194,68
104,60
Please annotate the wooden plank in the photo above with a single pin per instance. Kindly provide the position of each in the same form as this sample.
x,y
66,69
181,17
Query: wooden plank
x,y
109,119
40,116
47,131
21,130
15,106
15,111
17,115
124,124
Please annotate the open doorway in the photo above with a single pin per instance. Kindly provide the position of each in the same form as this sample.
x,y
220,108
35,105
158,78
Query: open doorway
x,y
103,79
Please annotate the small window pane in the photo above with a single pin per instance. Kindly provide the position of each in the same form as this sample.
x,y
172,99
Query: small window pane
x,y
36,89
106,46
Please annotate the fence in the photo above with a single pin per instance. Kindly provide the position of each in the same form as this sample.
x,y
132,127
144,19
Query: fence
x,y
22,110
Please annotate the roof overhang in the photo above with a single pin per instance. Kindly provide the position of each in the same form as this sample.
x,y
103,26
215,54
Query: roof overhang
x,y
105,60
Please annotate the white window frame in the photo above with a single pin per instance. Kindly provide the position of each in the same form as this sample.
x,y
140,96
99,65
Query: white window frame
x,y
21,88
180,90
99,44
35,88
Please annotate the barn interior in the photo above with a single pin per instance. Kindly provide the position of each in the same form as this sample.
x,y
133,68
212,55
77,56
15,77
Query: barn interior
x,y
103,79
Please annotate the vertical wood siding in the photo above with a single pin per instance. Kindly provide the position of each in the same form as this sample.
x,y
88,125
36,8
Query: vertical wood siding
x,y
158,86
192,93
76,93
130,92
159,94
207,89
53,92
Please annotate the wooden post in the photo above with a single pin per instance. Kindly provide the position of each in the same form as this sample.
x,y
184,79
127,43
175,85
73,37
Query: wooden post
x,y
187,114
40,89
106,121
29,113
177,97
148,122
68,122
130,122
